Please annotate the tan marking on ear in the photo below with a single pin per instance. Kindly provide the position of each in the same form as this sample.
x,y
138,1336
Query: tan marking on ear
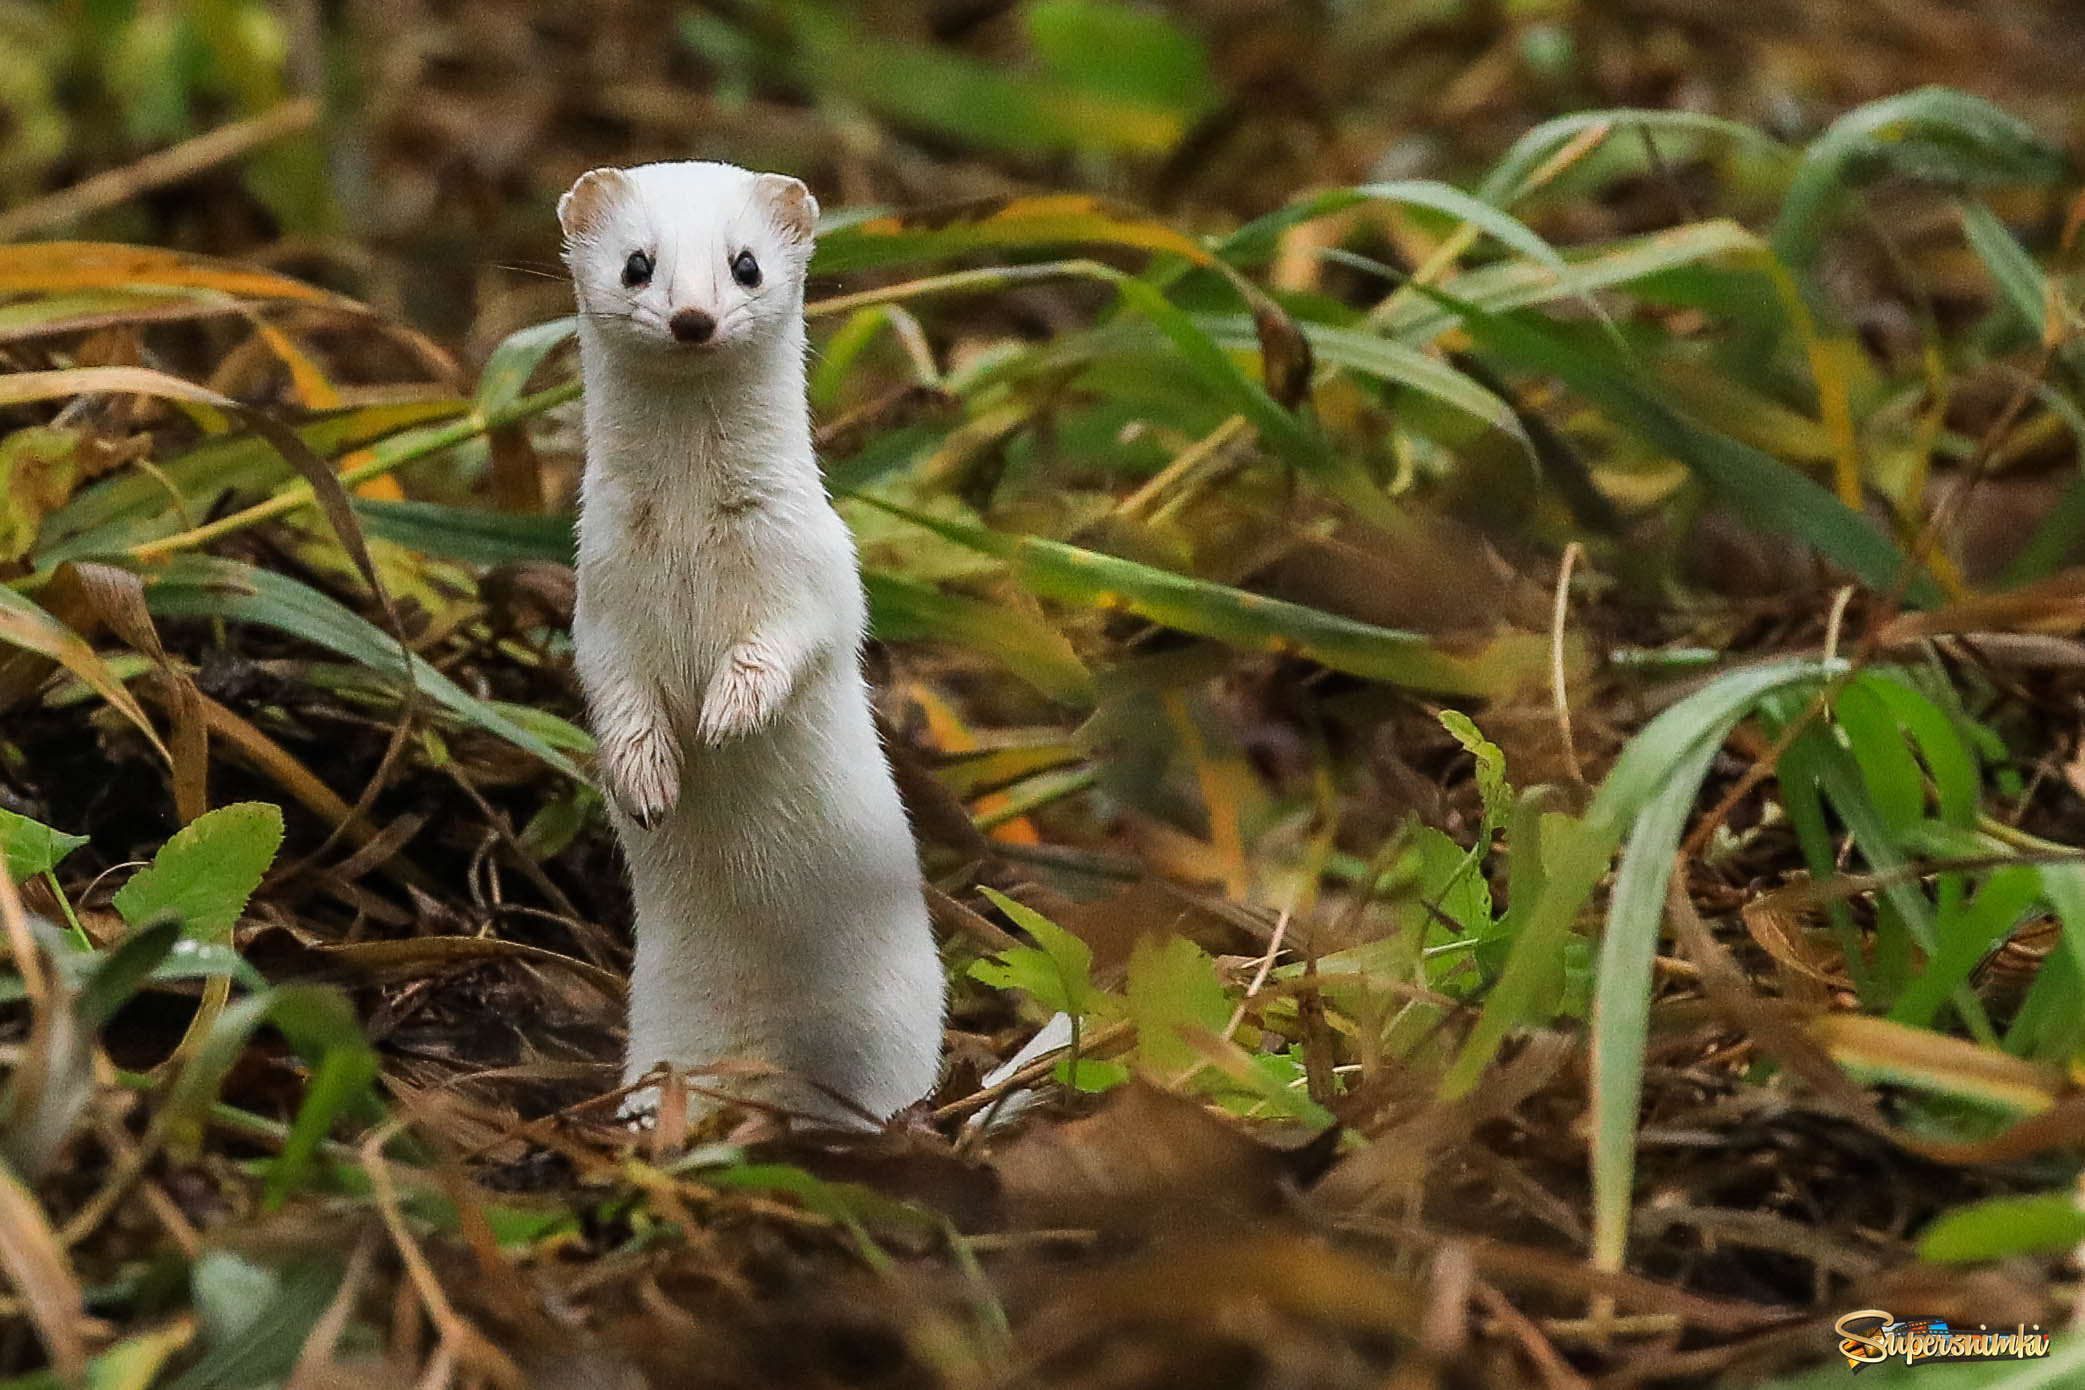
x,y
589,197
795,210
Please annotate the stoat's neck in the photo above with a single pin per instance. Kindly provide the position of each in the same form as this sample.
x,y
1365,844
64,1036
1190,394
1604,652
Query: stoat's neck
x,y
736,431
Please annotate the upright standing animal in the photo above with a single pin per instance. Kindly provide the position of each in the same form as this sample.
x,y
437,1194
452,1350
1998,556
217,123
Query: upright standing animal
x,y
779,910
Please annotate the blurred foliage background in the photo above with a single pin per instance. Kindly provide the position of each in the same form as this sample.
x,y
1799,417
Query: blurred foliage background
x,y
1477,604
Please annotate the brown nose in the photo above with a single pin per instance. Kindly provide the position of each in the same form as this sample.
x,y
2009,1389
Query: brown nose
x,y
692,326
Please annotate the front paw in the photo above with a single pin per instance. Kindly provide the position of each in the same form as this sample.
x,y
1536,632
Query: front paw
x,y
743,696
641,771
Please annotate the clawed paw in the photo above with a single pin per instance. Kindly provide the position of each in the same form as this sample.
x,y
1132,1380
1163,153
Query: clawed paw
x,y
642,772
743,696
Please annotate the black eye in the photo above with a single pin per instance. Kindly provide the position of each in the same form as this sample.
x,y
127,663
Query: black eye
x,y
745,269
637,270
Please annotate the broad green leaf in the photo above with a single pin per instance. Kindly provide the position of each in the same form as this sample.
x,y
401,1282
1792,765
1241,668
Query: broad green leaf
x,y
1998,1228
31,847
315,1019
1121,51
118,974
1451,884
1890,775
205,874
38,466
1172,984
255,1319
1949,758
1990,917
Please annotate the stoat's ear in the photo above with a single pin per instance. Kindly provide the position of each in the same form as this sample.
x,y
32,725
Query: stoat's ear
x,y
794,209
580,210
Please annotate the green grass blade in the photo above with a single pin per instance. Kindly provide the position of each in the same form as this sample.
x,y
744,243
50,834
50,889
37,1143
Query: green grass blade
x,y
199,586
1523,284
1508,180
901,610
507,372
1543,927
1622,994
1088,578
474,535
1764,491
1936,133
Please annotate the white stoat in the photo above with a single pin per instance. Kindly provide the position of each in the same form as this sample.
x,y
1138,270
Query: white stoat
x,y
779,908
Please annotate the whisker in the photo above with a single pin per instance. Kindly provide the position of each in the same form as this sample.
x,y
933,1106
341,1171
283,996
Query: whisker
x,y
522,268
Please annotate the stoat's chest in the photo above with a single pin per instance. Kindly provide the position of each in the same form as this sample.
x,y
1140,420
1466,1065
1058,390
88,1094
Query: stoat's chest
x,y
685,578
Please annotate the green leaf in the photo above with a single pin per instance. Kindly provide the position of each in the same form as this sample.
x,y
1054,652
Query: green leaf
x,y
474,535
316,1020
38,466
31,847
120,973
1889,773
1070,574
1451,885
1620,1028
1971,935
1057,970
133,506
202,586
204,875
1038,653
938,90
513,363
188,960
1523,284
255,1319
1121,51
2041,1223
1508,180
1948,757
1646,797
1758,487
1172,984
1492,787
1389,360
1935,133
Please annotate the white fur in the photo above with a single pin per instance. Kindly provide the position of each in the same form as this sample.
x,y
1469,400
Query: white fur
x,y
779,911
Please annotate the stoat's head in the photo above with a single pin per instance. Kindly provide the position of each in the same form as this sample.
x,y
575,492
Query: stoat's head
x,y
693,261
